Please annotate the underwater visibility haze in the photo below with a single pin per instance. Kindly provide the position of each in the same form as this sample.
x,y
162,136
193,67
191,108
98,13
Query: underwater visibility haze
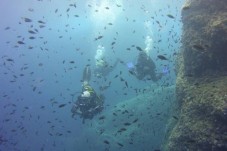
x,y
47,47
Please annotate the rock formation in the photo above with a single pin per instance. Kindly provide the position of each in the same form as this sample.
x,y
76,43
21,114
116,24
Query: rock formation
x,y
201,87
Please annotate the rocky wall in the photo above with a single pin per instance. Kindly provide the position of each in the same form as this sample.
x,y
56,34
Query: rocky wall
x,y
201,88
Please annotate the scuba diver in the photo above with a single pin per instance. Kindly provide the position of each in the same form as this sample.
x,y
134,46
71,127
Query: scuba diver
x,y
144,68
103,68
88,104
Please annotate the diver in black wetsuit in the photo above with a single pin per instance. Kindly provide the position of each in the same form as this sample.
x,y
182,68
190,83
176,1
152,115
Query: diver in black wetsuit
x,y
145,68
88,104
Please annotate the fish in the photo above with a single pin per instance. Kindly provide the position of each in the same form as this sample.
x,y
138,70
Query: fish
x,y
116,76
122,79
106,142
176,118
127,124
120,144
126,83
31,37
27,19
11,60
170,16
20,42
31,32
41,22
41,26
61,105
7,28
162,57
34,88
99,37
102,117
135,120
122,129
138,48
198,47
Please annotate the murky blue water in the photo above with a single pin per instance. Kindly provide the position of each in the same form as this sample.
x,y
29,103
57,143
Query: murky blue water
x,y
44,46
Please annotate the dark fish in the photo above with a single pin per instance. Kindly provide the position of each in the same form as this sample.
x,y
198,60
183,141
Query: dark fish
x,y
56,10
7,28
122,129
61,105
126,83
176,118
11,60
20,42
120,144
31,37
122,79
99,37
114,114
34,88
106,142
135,120
27,20
41,26
198,47
170,16
131,72
72,62
138,48
116,76
102,117
127,124
162,57
41,22
31,32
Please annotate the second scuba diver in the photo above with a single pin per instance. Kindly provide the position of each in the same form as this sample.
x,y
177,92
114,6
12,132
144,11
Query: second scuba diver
x,y
145,68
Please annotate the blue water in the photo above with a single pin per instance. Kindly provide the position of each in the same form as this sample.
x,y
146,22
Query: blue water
x,y
41,75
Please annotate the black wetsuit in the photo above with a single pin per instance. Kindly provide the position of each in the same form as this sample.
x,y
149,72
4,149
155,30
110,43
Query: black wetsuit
x,y
88,106
145,68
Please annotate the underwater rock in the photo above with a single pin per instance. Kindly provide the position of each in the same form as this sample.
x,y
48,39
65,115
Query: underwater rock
x,y
201,86
205,27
